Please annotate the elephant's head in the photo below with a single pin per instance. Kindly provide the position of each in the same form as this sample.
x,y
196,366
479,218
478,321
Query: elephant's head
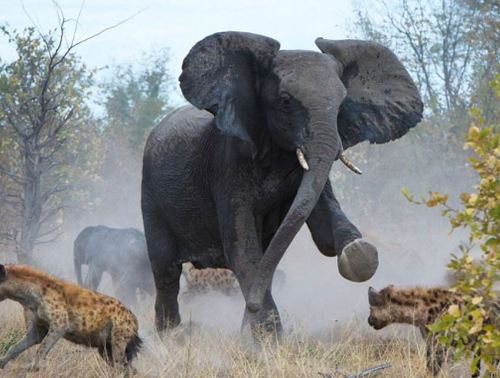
x,y
314,104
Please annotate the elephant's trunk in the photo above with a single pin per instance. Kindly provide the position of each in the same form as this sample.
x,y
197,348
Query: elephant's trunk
x,y
320,152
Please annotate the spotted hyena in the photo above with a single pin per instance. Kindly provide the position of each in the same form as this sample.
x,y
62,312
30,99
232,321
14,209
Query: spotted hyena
x,y
420,307
200,281
56,309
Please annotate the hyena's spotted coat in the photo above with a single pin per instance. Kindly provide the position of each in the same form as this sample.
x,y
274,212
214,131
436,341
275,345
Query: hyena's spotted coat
x,y
56,309
200,281
420,307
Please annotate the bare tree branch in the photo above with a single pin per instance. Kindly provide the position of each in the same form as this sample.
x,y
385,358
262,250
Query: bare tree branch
x,y
105,30
77,22
49,215
18,179
51,240
55,190
40,108
50,137
10,194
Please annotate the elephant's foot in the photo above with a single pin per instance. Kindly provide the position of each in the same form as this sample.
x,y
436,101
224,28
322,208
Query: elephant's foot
x,y
268,328
165,323
263,325
358,261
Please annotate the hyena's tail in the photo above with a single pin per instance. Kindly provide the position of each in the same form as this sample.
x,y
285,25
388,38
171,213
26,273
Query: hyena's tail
x,y
133,347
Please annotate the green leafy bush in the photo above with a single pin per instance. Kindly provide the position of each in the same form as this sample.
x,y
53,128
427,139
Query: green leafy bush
x,y
470,327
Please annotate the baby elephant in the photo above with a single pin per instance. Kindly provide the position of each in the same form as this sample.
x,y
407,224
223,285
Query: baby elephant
x,y
56,309
420,307
121,252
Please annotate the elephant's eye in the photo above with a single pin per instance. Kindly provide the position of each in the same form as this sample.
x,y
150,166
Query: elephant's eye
x,y
284,99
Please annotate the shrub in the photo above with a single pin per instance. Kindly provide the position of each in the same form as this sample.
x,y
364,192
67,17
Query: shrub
x,y
465,327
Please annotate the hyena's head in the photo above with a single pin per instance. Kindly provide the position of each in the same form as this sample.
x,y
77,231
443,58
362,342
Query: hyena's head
x,y
381,313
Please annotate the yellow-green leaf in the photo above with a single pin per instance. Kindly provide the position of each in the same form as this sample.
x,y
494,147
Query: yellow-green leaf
x,y
454,311
477,300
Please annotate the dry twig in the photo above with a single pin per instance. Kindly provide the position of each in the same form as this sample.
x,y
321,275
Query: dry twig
x,y
370,372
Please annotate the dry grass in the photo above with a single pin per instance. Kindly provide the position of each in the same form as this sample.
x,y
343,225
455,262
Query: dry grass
x,y
193,351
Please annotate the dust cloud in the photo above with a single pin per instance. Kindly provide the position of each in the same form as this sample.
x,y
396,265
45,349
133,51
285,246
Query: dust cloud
x,y
414,242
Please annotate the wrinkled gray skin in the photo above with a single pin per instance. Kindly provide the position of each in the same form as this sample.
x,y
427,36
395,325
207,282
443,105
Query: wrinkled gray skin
x,y
119,252
222,186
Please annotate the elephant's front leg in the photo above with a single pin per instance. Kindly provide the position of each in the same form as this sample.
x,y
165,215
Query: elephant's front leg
x,y
243,250
94,275
335,235
162,252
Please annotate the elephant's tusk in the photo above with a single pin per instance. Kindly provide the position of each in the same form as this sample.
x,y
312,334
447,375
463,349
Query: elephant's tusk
x,y
302,159
349,164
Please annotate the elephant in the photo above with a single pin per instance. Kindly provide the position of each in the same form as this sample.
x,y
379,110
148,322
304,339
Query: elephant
x,y
230,179
121,253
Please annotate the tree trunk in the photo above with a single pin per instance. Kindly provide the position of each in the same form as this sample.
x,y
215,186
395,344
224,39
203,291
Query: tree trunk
x,y
32,207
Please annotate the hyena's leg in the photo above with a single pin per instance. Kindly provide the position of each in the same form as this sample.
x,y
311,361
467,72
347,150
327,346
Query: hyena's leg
x,y
120,336
435,356
33,336
58,326
53,336
29,318
104,347
106,353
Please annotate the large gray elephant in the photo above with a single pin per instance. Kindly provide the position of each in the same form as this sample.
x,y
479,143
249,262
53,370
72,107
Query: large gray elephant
x,y
230,181
119,252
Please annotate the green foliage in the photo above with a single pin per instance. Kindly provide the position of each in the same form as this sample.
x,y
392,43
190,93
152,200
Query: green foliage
x,y
50,143
134,98
485,36
465,326
137,97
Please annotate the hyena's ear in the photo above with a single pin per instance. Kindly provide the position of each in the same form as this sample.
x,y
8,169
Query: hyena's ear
x,y
3,273
375,298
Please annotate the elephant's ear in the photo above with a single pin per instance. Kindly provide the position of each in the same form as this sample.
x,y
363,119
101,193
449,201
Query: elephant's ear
x,y
221,74
382,101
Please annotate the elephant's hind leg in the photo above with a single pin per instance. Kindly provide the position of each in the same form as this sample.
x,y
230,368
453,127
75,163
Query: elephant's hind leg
x,y
167,289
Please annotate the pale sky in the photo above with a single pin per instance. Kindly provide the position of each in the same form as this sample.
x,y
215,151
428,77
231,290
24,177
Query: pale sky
x,y
178,24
